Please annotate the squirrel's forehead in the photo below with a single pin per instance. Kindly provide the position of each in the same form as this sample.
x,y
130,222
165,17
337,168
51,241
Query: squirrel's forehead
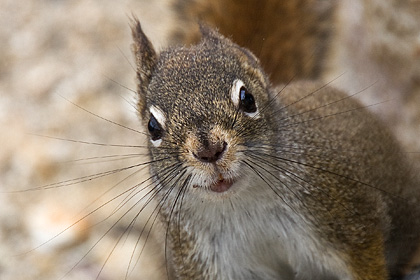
x,y
190,79
191,102
203,61
196,75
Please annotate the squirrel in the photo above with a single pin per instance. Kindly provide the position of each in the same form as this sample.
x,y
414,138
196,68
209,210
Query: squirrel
x,y
270,176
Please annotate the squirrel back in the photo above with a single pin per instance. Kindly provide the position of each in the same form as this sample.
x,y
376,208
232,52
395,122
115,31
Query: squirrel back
x,y
290,38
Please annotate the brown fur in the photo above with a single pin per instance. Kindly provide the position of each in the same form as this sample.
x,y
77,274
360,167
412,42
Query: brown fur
x,y
294,34
386,191
350,182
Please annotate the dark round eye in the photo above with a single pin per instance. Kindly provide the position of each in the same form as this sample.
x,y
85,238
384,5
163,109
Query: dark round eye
x,y
247,101
154,128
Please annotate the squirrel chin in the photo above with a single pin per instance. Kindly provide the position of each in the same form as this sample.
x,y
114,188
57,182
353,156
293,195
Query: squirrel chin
x,y
221,185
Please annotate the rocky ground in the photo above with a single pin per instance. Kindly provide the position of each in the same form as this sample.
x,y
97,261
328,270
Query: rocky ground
x,y
58,56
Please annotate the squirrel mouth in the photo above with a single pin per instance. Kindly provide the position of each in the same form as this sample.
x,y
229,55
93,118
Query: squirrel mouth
x,y
221,185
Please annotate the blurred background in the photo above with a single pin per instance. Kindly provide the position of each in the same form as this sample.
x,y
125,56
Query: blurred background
x,y
57,55
53,53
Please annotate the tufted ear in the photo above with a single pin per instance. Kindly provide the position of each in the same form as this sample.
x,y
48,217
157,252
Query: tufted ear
x,y
146,59
212,36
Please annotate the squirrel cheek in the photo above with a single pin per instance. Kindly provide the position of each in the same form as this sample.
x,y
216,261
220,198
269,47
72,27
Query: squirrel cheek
x,y
191,145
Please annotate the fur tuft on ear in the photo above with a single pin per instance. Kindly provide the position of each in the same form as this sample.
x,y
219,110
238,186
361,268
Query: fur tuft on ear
x,y
212,36
146,59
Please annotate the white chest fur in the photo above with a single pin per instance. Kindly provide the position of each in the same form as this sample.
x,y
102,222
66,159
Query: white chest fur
x,y
241,238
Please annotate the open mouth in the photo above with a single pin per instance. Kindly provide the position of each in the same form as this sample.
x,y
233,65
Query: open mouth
x,y
221,185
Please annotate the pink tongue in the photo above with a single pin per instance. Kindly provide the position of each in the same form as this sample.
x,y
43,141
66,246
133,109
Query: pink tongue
x,y
221,186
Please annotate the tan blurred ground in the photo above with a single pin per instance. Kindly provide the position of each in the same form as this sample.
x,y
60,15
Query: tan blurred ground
x,y
54,51
51,52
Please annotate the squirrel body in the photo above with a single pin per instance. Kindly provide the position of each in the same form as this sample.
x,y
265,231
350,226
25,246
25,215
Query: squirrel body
x,y
293,34
255,181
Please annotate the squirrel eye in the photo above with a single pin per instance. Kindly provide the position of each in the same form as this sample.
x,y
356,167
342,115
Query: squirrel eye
x,y
154,128
247,101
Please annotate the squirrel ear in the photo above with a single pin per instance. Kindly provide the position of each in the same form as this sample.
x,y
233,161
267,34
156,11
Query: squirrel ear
x,y
212,36
145,56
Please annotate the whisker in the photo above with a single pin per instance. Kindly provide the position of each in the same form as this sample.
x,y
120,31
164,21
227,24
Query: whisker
x,y
116,222
82,218
336,174
89,143
105,119
111,158
310,93
117,184
121,85
268,183
298,180
329,103
273,99
168,175
130,196
333,114
126,59
179,195
86,178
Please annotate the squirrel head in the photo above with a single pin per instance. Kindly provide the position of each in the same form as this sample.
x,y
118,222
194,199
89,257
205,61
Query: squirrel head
x,y
203,107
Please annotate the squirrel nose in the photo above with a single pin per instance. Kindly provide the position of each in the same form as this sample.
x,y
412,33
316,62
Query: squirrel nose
x,y
211,152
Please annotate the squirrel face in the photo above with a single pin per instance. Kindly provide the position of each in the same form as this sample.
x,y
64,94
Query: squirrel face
x,y
204,106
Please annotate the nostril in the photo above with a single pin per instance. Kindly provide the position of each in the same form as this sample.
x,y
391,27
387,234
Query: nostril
x,y
211,153
219,152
